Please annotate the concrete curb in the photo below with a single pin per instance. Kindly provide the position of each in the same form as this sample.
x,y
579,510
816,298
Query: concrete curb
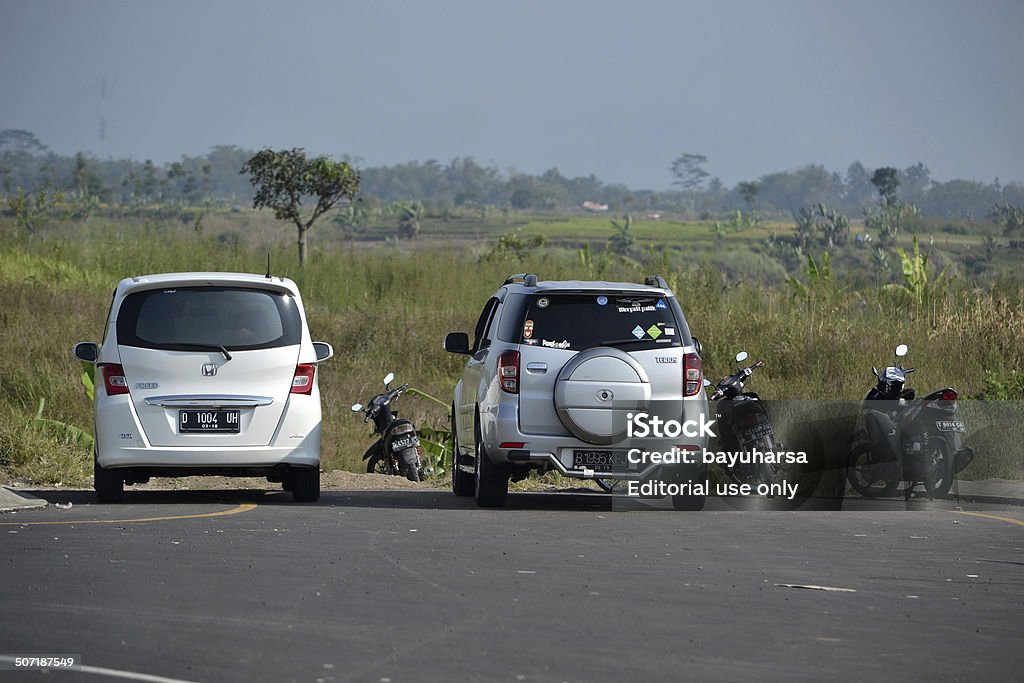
x,y
11,500
996,491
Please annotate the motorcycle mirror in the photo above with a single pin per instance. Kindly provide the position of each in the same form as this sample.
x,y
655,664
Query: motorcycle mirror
x,y
901,350
707,383
874,371
741,356
389,378
356,407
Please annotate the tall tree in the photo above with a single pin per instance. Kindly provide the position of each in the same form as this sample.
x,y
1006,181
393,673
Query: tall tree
x,y
689,172
886,180
283,179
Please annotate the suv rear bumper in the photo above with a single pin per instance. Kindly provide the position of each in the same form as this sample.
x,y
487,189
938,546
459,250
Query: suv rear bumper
x,y
556,451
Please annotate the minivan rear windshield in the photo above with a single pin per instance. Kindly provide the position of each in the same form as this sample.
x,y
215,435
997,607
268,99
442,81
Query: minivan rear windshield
x,y
184,318
634,322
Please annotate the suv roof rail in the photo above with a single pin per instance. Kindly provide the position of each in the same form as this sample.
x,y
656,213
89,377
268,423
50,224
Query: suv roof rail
x,y
656,281
527,279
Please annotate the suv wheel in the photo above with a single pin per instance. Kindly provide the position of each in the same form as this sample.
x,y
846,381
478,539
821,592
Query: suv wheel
x,y
491,479
109,483
305,484
463,484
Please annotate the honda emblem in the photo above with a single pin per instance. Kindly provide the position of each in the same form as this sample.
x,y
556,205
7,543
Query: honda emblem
x,y
209,370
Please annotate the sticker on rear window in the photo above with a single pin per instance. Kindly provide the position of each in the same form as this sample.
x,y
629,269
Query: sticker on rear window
x,y
542,302
660,304
638,332
602,300
528,329
670,331
654,331
635,306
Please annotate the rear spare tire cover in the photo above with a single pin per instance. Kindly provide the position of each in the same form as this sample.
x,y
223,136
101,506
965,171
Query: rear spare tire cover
x,y
595,391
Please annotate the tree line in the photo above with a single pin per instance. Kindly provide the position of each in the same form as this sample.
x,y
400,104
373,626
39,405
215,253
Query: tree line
x,y
26,164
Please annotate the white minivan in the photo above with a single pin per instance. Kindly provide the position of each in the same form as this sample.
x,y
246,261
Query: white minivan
x,y
206,374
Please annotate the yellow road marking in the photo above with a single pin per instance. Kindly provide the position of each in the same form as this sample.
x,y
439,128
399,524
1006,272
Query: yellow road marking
x,y
244,507
1011,520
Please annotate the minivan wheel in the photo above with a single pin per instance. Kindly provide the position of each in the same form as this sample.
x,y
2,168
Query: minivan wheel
x,y
305,484
109,483
491,479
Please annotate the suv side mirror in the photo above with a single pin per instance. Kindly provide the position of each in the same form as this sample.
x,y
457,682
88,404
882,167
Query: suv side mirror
x,y
86,351
456,342
323,350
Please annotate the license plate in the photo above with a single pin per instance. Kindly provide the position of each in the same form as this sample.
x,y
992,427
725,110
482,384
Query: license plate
x,y
224,421
950,426
403,442
599,460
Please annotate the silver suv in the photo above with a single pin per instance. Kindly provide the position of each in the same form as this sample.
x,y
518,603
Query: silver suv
x,y
556,372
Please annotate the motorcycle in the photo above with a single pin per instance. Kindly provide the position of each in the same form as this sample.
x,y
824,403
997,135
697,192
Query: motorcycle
x,y
743,425
397,451
903,438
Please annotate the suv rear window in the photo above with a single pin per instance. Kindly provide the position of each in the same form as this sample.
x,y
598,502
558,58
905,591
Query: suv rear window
x,y
581,321
182,318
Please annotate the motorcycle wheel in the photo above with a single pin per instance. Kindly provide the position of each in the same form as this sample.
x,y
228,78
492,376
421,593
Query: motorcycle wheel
x,y
862,473
377,464
754,473
408,461
938,468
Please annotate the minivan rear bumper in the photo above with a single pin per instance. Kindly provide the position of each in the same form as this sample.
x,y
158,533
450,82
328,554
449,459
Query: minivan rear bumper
x,y
305,454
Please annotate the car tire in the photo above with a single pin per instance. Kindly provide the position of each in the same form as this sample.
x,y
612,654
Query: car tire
x,y
109,483
462,482
491,480
305,484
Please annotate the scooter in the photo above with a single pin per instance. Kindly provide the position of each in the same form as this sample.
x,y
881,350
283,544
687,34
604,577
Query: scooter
x,y
397,451
903,438
743,425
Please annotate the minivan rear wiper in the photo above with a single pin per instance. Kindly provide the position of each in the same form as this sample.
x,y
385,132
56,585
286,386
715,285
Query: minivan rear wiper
x,y
207,347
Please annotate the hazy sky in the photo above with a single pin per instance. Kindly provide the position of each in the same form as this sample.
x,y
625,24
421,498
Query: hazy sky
x,y
617,89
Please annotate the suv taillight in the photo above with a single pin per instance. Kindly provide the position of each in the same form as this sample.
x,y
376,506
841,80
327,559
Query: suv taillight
x,y
691,374
302,382
508,371
113,379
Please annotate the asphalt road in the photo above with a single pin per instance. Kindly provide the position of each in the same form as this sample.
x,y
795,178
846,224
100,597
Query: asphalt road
x,y
417,585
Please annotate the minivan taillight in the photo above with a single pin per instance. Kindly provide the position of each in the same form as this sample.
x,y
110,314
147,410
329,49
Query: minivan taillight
x,y
508,371
113,379
302,382
691,374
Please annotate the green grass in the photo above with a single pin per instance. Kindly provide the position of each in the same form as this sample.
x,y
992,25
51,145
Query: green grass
x,y
387,306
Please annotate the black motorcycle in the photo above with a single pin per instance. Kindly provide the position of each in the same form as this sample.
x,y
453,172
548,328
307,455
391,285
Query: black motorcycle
x,y
903,438
743,425
397,451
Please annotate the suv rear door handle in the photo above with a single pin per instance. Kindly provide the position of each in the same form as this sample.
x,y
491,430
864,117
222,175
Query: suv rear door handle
x,y
539,368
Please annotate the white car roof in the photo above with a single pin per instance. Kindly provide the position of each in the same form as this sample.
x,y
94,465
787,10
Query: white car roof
x,y
158,280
